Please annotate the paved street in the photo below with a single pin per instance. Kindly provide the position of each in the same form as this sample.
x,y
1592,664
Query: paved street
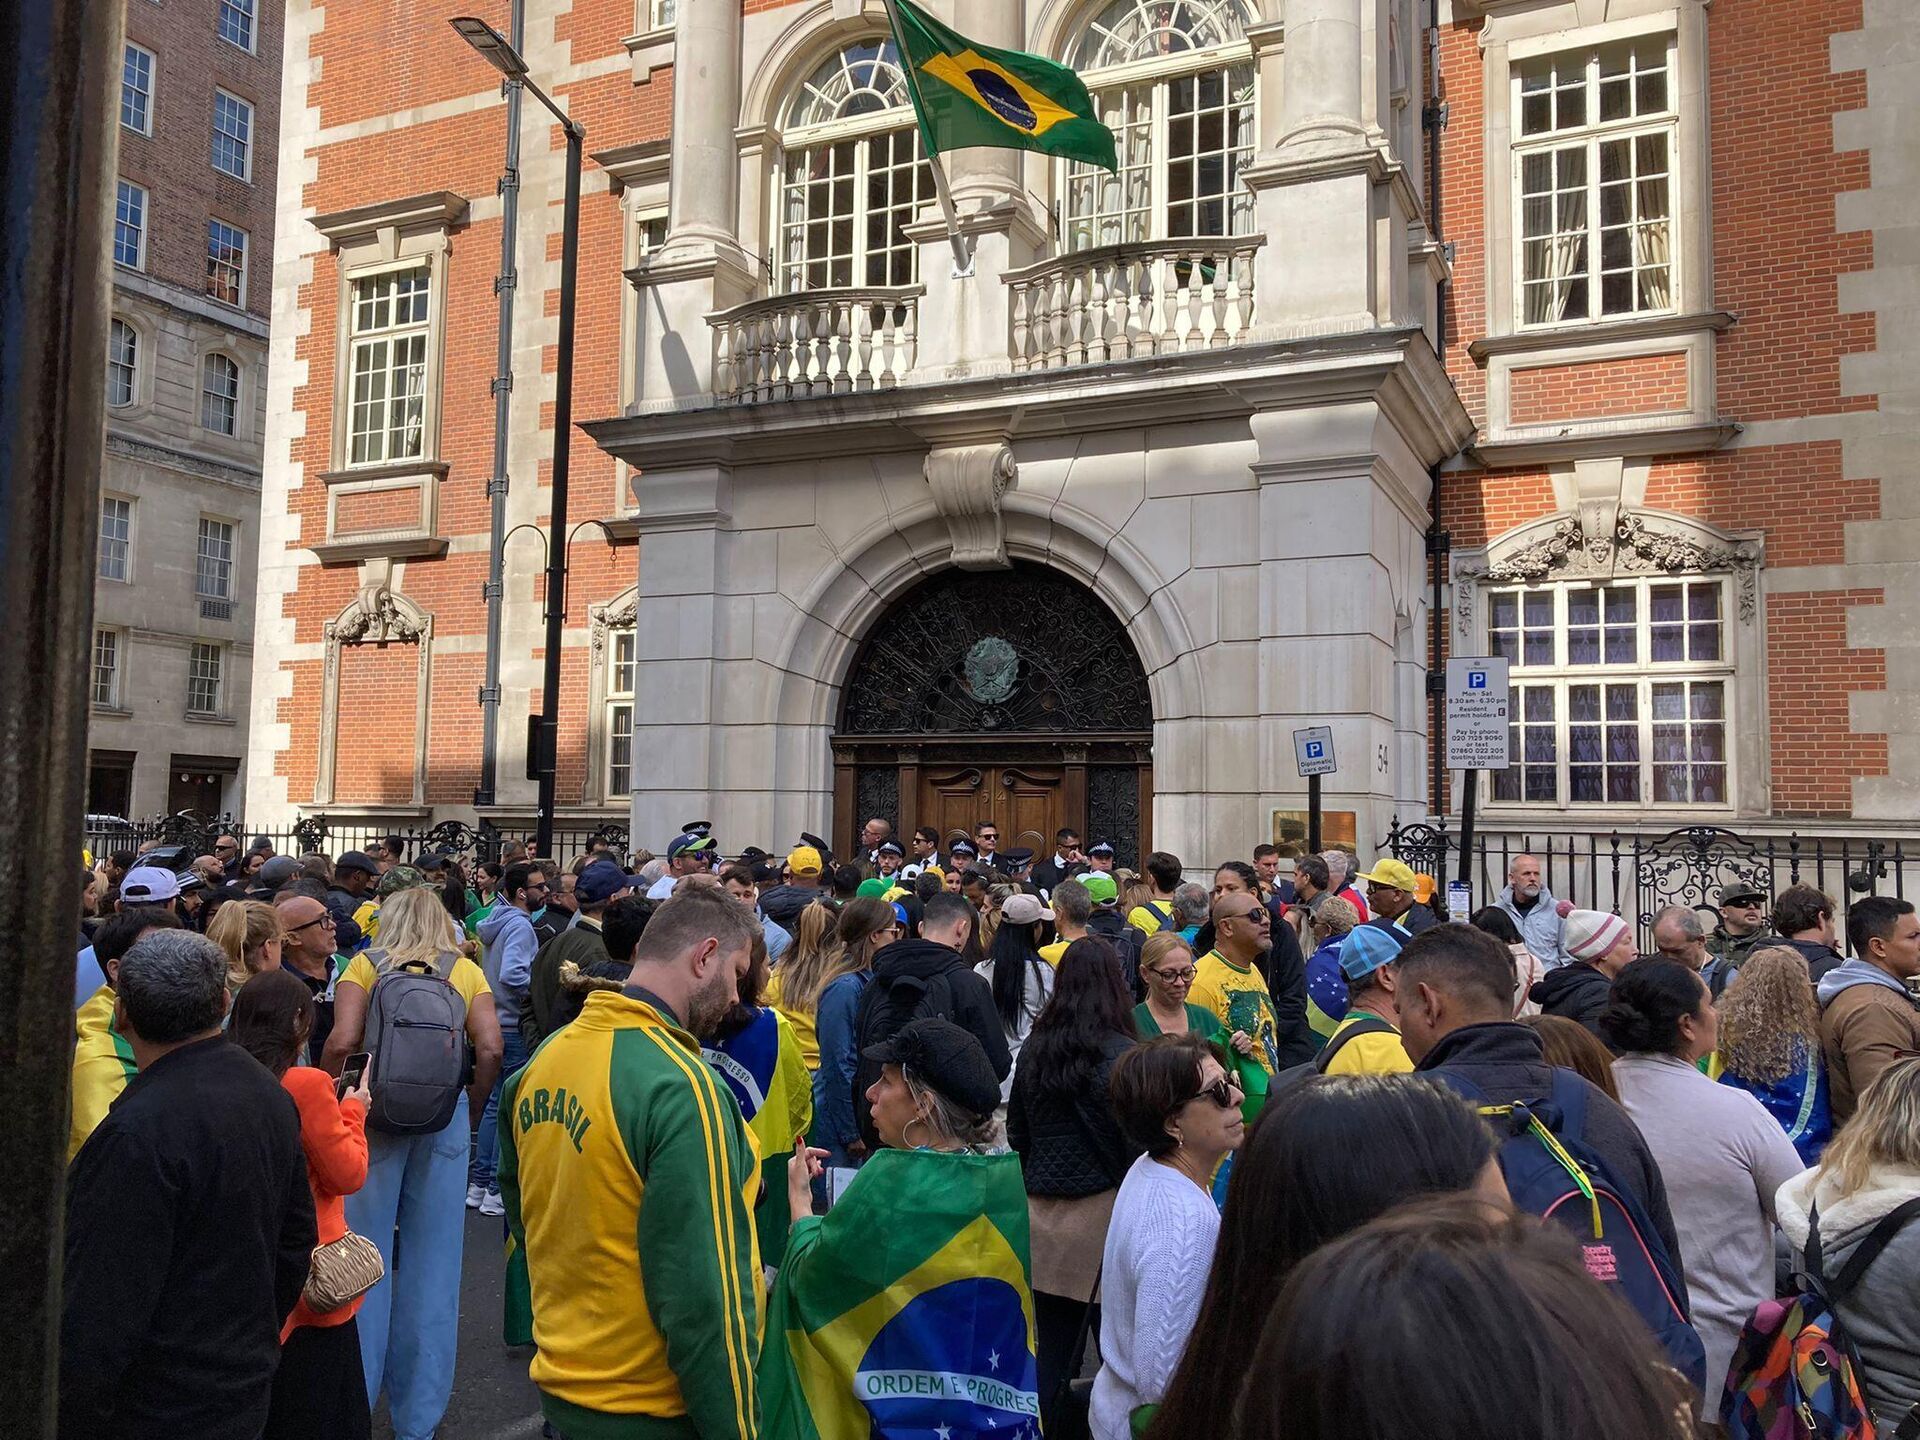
x,y
492,1397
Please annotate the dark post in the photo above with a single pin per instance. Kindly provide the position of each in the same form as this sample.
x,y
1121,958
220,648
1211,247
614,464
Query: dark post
x,y
58,61
1313,814
1470,789
557,523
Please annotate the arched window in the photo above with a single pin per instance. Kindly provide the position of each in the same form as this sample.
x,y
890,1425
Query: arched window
x,y
1175,83
851,174
219,394
123,363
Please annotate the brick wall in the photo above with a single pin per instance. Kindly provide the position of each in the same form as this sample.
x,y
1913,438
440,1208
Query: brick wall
x,y
1640,385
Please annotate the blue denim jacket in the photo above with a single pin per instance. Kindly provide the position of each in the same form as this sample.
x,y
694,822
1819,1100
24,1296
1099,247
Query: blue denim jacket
x,y
834,1125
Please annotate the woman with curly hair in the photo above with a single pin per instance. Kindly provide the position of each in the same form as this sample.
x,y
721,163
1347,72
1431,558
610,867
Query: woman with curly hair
x,y
1770,1046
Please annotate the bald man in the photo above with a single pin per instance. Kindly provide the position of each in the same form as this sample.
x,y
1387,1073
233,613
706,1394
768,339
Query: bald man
x,y
308,951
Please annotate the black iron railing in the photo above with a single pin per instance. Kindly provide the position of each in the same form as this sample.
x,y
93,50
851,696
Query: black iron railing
x,y
473,843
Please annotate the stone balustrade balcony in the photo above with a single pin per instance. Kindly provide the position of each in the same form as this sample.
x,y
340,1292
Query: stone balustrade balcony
x,y
815,342
1127,302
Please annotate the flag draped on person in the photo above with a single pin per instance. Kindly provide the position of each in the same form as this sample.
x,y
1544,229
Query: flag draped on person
x,y
906,1310
967,94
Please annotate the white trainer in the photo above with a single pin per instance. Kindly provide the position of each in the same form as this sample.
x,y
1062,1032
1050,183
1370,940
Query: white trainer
x,y
492,1204
475,1194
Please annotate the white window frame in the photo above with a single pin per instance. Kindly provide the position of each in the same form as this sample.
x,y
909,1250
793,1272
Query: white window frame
x,y
622,653
213,573
207,663
232,401
1135,98
1588,138
131,364
240,300
249,11
660,14
861,131
123,190
391,336
151,69
242,139
1560,676
115,537
108,644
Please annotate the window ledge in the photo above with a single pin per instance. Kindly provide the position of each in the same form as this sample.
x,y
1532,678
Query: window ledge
x,y
112,712
405,470
432,209
1658,435
1606,332
411,546
195,717
651,50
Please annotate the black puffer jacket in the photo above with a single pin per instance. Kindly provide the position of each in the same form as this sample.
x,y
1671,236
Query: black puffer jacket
x,y
910,967
783,903
1069,1143
1577,992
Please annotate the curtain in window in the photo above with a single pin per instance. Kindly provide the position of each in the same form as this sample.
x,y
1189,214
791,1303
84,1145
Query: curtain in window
x,y
1650,261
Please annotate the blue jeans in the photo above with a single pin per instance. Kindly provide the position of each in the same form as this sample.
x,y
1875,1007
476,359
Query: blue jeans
x,y
486,1145
413,1207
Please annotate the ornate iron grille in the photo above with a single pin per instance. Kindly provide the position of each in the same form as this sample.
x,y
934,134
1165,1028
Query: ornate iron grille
x,y
1113,811
1005,652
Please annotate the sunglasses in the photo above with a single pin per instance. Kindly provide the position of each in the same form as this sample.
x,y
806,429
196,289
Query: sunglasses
x,y
1224,1092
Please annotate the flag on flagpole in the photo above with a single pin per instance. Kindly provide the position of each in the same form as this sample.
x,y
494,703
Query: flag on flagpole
x,y
905,1312
967,94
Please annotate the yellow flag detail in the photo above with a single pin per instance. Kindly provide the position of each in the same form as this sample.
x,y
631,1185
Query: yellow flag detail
x,y
998,91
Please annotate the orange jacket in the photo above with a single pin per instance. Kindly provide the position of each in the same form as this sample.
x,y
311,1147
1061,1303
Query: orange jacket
x,y
334,1135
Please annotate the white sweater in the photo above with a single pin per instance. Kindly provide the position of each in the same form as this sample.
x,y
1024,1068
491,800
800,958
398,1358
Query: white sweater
x,y
1159,1250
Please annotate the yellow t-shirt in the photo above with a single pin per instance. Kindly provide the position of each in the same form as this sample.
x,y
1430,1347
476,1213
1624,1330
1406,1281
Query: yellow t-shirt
x,y
468,978
803,1022
1052,953
1240,999
1146,921
1375,1053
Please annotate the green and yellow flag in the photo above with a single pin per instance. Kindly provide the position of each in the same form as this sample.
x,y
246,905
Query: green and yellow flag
x,y
905,1312
967,94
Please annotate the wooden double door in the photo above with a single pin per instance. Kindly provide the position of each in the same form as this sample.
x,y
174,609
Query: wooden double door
x,y
1028,791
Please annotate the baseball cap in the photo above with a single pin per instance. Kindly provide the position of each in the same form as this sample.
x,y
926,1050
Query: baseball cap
x,y
804,860
1024,909
1396,873
600,882
1366,949
149,885
1100,887
1741,893
357,860
690,843
946,1058
400,877
874,889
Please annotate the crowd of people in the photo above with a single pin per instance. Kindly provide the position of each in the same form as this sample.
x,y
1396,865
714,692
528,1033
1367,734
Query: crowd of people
x,y
943,1139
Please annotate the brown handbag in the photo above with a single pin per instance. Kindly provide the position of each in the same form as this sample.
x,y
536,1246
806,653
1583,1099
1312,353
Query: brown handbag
x,y
341,1272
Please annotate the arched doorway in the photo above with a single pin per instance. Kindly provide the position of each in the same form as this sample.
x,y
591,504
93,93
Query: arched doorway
x,y
1013,696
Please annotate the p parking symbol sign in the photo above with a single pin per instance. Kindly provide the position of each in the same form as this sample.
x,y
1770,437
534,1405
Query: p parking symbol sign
x,y
1476,679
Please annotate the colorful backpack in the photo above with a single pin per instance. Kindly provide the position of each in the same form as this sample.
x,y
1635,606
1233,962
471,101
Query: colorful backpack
x,y
1795,1374
1551,1172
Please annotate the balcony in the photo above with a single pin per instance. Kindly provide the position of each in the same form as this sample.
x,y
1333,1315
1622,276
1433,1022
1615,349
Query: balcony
x,y
818,342
1127,302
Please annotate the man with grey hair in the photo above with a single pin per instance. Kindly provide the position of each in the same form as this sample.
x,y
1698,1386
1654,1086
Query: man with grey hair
x,y
1191,908
190,1224
1340,868
1534,912
1679,935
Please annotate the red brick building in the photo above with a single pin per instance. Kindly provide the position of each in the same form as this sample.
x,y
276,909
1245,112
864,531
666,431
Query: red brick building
x,y
1673,427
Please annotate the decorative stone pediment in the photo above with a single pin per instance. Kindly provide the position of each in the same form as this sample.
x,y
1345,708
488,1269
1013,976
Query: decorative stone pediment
x,y
968,483
620,613
376,616
1564,546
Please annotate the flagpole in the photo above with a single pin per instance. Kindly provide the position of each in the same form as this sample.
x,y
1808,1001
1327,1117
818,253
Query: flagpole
x,y
962,252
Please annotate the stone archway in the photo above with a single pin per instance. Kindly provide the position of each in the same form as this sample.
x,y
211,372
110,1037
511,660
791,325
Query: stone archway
x,y
1011,695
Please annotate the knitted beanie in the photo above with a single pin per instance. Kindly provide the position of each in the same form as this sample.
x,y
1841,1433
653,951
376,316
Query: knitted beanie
x,y
1589,934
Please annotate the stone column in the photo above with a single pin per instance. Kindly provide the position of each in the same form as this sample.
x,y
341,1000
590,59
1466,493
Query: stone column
x,y
982,178
1320,103
703,203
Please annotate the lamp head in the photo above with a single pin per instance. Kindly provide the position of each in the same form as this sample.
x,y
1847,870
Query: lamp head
x,y
492,45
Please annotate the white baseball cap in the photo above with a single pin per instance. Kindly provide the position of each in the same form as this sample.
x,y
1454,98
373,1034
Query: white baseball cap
x,y
149,885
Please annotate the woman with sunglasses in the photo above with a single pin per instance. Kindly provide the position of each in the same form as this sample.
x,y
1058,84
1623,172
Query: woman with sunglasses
x,y
1176,1099
1166,969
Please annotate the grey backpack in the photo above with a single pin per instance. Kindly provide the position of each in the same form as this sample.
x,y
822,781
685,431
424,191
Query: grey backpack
x,y
417,1034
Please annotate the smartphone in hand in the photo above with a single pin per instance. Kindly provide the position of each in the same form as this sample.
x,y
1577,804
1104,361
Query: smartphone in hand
x,y
351,1073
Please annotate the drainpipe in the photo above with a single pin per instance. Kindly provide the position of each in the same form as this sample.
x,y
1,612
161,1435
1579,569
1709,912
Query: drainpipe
x,y
504,285
1439,542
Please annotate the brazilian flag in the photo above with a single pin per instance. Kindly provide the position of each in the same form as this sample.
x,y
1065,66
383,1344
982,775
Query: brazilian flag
x,y
967,94
905,1312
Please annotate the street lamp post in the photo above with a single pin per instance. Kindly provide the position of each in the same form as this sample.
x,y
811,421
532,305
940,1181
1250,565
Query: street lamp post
x,y
498,52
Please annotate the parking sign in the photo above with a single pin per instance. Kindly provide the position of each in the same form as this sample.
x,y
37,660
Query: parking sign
x,y
1478,701
1313,751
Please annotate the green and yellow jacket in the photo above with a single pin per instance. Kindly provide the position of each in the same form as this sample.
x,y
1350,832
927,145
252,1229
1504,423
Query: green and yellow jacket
x,y
629,1180
102,1066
